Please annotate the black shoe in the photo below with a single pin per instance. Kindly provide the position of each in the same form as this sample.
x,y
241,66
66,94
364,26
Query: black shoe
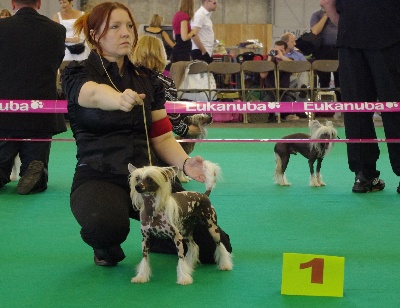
x,y
33,180
362,185
100,262
108,257
398,189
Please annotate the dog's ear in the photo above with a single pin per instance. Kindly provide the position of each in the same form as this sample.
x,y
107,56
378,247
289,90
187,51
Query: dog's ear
x,y
314,126
170,172
131,168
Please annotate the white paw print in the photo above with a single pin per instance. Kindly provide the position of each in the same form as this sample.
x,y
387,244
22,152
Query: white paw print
x,y
273,105
392,105
36,104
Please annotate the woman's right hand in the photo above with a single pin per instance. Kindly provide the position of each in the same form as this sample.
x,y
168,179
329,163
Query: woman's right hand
x,y
129,99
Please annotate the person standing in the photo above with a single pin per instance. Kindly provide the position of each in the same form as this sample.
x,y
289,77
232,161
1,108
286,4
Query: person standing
x,y
321,25
182,31
31,48
67,17
368,56
155,30
203,41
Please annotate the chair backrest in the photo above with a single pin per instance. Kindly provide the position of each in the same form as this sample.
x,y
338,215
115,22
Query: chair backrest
x,y
257,66
198,67
325,65
224,68
294,66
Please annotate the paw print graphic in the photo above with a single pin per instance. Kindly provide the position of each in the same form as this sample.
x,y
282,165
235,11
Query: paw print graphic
x,y
273,105
36,105
392,105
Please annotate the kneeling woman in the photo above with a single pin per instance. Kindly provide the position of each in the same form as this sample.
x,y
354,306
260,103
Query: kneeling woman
x,y
117,116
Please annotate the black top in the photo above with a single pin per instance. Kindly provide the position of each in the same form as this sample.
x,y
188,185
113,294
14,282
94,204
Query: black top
x,y
368,24
108,140
31,51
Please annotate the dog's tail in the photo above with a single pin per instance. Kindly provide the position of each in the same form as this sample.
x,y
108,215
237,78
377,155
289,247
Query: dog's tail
x,y
212,173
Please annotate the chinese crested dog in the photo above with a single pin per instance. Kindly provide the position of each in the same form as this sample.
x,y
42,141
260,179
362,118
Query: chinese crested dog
x,y
313,151
201,120
170,215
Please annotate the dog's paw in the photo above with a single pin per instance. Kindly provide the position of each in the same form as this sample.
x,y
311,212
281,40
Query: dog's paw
x,y
226,266
140,279
185,280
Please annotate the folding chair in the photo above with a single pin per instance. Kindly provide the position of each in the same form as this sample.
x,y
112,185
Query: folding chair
x,y
226,77
293,67
195,84
324,66
250,92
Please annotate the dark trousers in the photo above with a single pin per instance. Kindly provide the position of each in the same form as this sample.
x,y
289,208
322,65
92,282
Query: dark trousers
x,y
103,210
368,76
27,150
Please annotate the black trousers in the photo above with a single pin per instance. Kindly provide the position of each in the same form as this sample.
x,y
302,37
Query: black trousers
x,y
27,150
368,76
103,210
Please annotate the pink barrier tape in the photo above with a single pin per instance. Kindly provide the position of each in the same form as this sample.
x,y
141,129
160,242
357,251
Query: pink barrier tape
x,y
238,140
60,106
33,106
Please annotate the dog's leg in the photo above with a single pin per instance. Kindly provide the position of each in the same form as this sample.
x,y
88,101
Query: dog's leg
x,y
184,272
15,169
313,178
222,257
319,175
143,270
280,167
192,255
184,269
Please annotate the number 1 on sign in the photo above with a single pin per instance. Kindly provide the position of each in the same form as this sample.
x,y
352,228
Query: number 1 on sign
x,y
317,269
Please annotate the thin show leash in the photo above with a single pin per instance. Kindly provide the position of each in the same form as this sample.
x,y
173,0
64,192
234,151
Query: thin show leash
x,y
144,112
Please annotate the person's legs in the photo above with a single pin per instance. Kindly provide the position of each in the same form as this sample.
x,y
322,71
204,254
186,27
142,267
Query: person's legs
x,y
34,165
389,91
357,85
8,151
102,209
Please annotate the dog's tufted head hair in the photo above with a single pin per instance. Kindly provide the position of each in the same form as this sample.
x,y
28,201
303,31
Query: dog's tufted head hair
x,y
319,131
151,180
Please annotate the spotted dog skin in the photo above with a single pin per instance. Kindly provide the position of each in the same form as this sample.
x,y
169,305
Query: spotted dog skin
x,y
193,207
173,215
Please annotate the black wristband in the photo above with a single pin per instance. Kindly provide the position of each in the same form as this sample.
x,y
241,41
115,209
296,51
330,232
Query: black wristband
x,y
183,166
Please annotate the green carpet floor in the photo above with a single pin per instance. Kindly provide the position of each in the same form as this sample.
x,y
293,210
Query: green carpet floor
x,y
44,263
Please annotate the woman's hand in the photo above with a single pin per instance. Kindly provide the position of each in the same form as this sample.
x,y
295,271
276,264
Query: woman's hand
x,y
129,99
194,168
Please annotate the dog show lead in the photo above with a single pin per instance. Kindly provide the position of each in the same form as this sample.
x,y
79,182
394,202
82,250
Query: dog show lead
x,y
109,102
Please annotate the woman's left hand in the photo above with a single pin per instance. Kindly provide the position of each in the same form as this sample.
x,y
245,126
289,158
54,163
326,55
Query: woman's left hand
x,y
194,168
